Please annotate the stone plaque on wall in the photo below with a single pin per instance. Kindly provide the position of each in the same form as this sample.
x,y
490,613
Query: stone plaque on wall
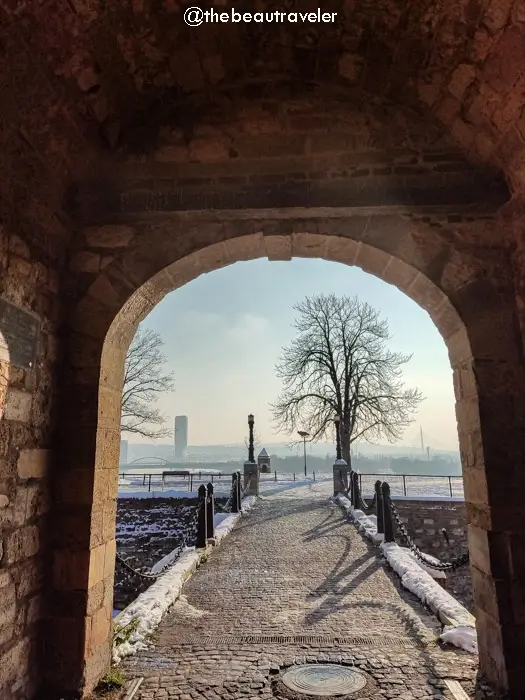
x,y
19,333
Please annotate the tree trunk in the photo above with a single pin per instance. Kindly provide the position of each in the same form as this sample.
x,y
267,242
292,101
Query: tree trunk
x,y
345,446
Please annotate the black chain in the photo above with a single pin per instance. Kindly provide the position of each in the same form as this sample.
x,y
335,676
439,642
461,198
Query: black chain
x,y
361,501
247,487
189,533
456,563
227,507
364,505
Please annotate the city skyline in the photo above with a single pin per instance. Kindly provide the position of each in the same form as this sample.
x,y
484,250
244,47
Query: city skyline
x,y
224,332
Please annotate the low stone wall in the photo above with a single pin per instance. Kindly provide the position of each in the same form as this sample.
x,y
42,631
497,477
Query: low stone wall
x,y
148,529
425,520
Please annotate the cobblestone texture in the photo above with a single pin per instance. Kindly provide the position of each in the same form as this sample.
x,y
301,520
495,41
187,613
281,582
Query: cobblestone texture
x,y
293,566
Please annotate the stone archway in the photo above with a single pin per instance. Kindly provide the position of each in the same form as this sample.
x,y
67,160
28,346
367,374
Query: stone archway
x,y
462,282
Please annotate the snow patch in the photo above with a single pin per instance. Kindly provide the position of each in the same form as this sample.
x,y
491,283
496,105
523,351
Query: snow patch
x,y
168,559
463,636
451,613
144,614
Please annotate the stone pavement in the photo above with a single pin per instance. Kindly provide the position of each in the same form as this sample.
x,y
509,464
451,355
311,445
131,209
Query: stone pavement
x,y
295,583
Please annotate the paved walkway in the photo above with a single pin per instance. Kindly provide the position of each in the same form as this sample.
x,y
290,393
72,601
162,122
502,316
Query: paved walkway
x,y
295,583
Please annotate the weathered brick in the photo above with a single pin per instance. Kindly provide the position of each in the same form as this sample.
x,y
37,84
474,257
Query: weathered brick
x,y
22,544
33,464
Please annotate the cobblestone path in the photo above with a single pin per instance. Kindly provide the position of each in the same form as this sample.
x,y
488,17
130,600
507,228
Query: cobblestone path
x,y
295,583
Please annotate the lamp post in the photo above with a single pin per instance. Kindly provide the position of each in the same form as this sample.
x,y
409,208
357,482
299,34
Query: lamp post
x,y
251,454
337,421
304,435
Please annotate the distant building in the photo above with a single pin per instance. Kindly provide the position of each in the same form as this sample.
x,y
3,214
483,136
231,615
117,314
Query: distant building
x,y
263,460
123,459
181,437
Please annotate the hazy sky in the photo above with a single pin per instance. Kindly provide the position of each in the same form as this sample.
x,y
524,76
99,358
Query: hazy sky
x,y
224,331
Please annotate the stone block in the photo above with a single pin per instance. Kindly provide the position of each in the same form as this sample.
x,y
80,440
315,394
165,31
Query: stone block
x,y
278,247
22,544
13,660
103,292
97,664
371,260
399,274
7,605
18,406
38,500
95,598
33,464
100,628
28,577
115,236
504,64
109,558
462,77
96,565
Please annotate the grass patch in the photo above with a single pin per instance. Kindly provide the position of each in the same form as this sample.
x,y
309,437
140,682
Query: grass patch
x,y
122,634
113,680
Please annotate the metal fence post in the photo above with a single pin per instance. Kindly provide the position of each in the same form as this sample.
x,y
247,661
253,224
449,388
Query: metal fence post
x,y
404,485
450,486
387,514
355,489
202,519
210,514
314,476
276,475
379,508
149,483
235,491
239,489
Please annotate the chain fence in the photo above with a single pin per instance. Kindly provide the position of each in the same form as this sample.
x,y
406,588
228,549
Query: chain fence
x,y
227,507
189,535
361,503
354,494
431,563
245,490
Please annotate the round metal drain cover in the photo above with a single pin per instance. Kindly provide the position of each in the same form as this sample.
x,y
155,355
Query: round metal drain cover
x,y
324,680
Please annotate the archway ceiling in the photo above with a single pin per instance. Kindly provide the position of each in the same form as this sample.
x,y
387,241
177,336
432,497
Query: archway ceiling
x,y
82,76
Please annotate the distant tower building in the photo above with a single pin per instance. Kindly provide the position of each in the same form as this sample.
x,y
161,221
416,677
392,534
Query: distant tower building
x,y
263,460
123,459
181,437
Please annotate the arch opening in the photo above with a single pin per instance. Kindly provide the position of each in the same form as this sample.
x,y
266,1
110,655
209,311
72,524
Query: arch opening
x,y
470,311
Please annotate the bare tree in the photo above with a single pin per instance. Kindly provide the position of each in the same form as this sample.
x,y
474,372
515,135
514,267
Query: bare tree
x,y
339,365
144,380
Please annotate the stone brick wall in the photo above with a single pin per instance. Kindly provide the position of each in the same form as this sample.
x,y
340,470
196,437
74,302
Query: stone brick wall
x,y
28,279
148,529
424,520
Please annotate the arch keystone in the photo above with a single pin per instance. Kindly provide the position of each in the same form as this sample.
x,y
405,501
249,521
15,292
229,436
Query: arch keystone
x,y
278,247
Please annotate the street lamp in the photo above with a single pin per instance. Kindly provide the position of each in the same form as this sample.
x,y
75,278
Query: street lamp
x,y
337,421
304,435
251,454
